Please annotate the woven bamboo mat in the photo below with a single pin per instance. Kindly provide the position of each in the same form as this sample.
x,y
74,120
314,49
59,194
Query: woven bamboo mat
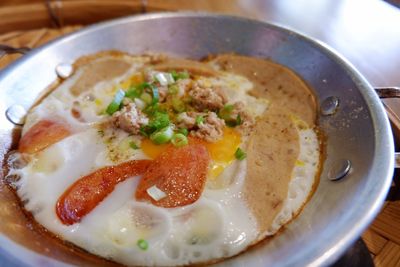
x,y
32,39
382,237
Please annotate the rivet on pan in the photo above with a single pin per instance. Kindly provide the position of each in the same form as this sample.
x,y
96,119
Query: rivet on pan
x,y
339,170
64,70
329,106
16,114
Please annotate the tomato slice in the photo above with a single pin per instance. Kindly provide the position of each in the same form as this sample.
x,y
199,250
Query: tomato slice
x,y
180,172
41,135
87,192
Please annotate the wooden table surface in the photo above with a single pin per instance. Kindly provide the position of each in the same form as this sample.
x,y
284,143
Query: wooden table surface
x,y
365,32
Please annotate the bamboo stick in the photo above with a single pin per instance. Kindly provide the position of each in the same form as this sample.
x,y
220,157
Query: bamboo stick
x,y
90,11
9,35
23,17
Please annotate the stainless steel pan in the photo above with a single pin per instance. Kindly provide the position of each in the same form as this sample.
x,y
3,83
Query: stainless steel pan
x,y
360,151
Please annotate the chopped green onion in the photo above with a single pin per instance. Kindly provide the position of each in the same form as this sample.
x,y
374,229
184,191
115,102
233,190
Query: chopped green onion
x,y
174,75
178,105
134,92
238,120
225,112
234,122
151,109
140,103
143,131
240,154
162,136
156,95
146,97
199,119
115,105
173,89
156,193
164,78
157,121
143,86
183,131
183,75
142,244
179,139
137,91
133,145
179,75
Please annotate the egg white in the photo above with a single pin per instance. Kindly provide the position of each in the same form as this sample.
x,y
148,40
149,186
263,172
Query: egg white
x,y
302,180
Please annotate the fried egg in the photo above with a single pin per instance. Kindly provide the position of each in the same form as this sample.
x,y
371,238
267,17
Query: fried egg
x,y
220,224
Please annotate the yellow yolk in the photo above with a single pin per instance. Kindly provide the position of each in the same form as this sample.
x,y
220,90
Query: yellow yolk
x,y
152,150
98,102
135,79
221,152
300,124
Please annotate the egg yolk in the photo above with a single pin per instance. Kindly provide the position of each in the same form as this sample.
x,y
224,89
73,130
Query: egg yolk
x,y
152,150
221,152
135,79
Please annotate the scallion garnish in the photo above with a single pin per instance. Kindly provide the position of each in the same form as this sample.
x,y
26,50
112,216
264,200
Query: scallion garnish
x,y
138,92
162,136
140,103
179,75
164,78
183,131
174,75
133,145
173,89
156,95
226,114
143,131
146,97
178,105
115,104
199,119
151,109
156,193
238,120
134,92
240,154
142,244
159,120
179,139
234,122
144,85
